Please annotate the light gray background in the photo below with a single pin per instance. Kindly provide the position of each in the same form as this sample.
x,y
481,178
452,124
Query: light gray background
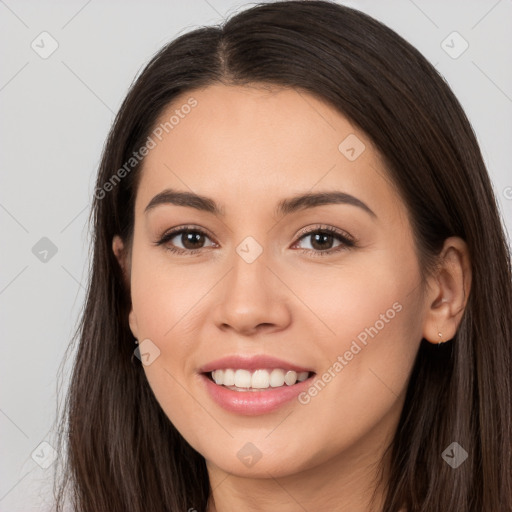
x,y
56,113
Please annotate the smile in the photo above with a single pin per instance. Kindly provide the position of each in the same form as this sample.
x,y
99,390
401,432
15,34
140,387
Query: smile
x,y
245,380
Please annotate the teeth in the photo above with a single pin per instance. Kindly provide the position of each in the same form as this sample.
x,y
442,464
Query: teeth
x,y
259,379
242,379
229,377
277,378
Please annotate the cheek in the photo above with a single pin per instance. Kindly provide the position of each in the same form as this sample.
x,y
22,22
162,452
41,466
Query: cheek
x,y
375,314
165,303
368,297
164,296
361,386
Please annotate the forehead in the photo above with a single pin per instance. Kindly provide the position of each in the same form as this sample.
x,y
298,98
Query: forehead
x,y
256,143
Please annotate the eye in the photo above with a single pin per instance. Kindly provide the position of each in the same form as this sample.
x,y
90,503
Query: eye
x,y
322,239
191,238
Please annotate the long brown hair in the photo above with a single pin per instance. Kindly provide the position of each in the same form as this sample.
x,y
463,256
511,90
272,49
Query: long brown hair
x,y
121,451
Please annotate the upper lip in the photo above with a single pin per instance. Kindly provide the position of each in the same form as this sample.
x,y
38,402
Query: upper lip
x,y
255,362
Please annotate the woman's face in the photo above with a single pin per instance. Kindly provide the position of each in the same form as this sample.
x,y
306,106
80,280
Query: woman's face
x,y
269,281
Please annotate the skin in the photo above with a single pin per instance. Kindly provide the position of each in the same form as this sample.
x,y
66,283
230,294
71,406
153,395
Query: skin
x,y
247,148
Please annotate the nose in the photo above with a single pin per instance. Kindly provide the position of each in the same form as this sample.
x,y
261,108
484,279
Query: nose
x,y
252,298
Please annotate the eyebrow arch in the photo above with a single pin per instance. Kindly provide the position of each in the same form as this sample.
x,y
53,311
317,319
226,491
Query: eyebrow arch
x,y
190,199
311,200
284,207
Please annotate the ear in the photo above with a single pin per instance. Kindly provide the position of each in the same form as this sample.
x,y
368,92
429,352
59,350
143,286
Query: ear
x,y
120,252
123,258
448,292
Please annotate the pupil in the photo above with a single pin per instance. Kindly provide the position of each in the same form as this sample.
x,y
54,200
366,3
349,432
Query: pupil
x,y
323,237
193,238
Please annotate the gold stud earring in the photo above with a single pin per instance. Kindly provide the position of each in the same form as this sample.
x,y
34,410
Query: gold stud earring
x,y
441,338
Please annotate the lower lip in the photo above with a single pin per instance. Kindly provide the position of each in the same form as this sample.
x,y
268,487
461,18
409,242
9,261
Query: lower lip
x,y
251,403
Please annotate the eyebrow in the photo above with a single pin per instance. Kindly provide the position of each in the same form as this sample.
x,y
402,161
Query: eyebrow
x,y
284,207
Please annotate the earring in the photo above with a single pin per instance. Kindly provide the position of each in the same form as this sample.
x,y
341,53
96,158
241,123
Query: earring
x,y
441,338
136,341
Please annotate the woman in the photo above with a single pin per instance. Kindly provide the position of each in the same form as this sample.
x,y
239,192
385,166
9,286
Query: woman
x,y
223,364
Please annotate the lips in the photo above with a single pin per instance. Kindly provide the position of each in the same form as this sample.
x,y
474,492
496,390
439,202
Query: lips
x,y
253,401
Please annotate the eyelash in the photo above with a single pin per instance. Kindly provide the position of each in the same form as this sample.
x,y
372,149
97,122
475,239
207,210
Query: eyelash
x,y
347,241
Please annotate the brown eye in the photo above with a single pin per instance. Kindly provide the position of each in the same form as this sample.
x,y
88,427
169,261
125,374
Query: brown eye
x,y
191,239
322,240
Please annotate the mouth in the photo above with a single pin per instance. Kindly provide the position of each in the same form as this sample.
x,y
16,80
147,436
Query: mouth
x,y
249,400
264,379
254,384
